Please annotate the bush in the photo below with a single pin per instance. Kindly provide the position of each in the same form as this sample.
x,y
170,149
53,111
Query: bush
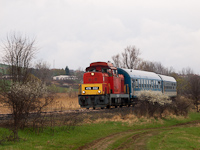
x,y
157,105
24,99
151,104
181,106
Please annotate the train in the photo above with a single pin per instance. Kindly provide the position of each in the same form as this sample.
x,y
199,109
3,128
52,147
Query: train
x,y
105,85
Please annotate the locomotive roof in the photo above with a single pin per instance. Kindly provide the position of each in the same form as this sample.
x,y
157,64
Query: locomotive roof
x,y
101,64
167,78
141,74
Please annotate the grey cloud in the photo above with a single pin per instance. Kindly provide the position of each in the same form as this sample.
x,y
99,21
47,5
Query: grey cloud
x,y
74,33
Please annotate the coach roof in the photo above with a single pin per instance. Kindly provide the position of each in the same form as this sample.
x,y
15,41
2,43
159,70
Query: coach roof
x,y
167,78
140,74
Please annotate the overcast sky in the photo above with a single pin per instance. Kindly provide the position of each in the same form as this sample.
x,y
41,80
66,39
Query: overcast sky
x,y
75,33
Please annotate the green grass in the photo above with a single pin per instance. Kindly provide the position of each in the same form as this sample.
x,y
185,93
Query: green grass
x,y
181,138
177,138
59,138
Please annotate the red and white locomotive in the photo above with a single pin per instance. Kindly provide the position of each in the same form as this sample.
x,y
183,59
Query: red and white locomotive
x,y
102,87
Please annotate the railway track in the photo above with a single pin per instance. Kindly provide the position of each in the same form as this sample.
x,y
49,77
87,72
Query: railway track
x,y
77,111
9,116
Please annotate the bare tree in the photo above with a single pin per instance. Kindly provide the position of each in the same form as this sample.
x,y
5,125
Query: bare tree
x,y
117,61
128,59
186,71
42,71
189,86
146,66
193,90
79,74
156,67
19,51
23,94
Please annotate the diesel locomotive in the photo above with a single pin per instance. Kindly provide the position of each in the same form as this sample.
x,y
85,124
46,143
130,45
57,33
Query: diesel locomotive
x,y
105,85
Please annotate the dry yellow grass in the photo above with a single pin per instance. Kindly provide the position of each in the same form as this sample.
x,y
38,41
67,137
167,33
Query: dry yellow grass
x,y
4,109
61,102
129,118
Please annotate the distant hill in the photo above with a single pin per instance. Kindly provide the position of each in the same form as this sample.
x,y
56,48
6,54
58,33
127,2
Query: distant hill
x,y
3,68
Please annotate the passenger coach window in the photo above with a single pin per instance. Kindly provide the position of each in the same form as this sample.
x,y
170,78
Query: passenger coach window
x,y
157,84
133,83
136,83
139,83
150,84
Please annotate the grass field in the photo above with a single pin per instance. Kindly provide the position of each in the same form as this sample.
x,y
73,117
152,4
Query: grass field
x,y
178,138
112,134
115,129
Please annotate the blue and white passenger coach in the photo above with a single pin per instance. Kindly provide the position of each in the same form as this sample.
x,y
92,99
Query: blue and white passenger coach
x,y
138,81
168,86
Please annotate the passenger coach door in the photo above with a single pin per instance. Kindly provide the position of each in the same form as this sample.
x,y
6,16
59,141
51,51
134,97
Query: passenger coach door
x,y
132,87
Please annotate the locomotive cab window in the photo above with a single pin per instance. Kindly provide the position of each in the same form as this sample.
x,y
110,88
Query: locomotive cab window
x,y
104,70
115,73
92,70
109,72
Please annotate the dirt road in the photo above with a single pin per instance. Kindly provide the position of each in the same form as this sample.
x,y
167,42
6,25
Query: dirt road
x,y
130,140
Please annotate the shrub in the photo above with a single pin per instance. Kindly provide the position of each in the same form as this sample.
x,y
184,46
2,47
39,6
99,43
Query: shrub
x,y
26,98
151,104
157,105
181,106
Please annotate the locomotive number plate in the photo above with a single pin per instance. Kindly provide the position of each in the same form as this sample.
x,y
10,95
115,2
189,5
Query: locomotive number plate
x,y
91,88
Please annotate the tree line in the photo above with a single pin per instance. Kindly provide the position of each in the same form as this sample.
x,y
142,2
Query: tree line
x,y
188,83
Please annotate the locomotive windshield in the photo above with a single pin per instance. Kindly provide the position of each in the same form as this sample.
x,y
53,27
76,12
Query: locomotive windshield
x,y
91,70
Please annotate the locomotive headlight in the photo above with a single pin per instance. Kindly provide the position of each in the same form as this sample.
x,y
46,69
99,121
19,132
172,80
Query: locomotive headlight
x,y
99,91
83,92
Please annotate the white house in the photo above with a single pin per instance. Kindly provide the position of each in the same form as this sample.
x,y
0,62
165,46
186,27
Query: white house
x,y
64,77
